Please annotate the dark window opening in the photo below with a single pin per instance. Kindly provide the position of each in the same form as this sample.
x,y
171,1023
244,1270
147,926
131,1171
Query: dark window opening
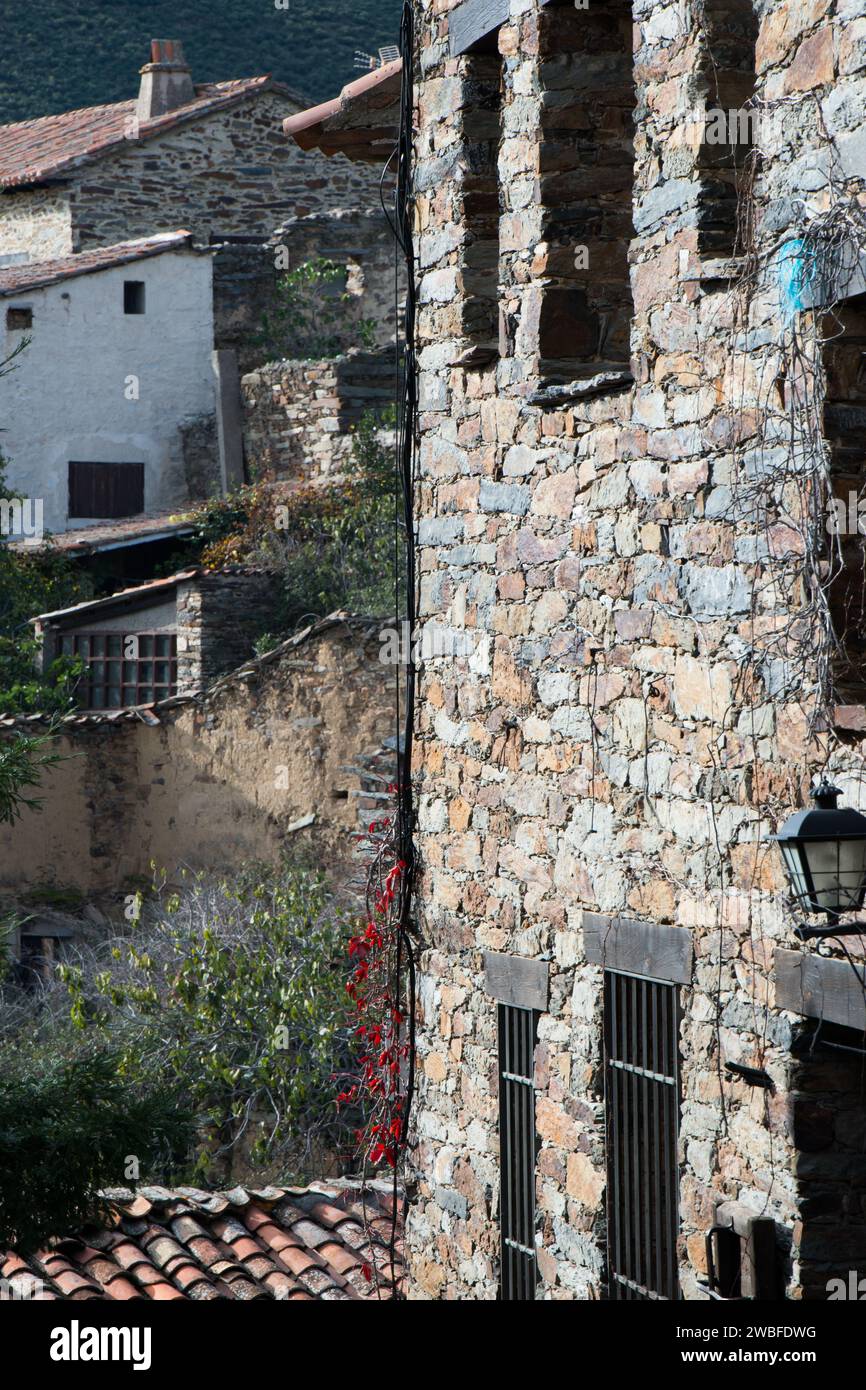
x,y
578,321
123,669
642,1101
18,318
844,331
726,152
518,1146
133,296
479,257
105,490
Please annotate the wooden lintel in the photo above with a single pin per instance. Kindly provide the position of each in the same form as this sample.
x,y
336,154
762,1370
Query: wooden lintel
x,y
638,948
820,987
516,980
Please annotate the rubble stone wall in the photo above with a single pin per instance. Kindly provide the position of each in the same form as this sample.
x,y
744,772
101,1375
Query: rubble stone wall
x,y
233,174
293,751
299,416
614,743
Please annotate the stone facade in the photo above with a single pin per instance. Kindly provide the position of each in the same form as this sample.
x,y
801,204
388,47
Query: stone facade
x,y
292,751
626,732
299,416
231,173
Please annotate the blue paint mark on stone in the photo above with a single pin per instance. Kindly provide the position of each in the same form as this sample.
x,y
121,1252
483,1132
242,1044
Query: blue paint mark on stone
x,y
795,272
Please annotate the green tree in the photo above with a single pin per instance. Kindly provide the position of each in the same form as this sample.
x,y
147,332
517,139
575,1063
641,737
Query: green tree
x,y
71,1125
233,992
22,760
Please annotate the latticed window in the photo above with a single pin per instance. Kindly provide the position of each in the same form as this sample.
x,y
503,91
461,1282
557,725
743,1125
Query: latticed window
x,y
642,1097
123,669
517,1028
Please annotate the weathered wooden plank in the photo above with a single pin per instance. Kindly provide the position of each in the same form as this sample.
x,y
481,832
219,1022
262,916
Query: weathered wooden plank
x,y
820,988
474,20
638,948
516,980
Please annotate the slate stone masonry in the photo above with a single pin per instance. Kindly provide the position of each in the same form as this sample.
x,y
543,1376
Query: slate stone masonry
x,y
606,746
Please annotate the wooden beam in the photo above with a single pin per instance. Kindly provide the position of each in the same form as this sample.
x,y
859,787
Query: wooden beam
x,y
638,948
474,20
821,988
516,980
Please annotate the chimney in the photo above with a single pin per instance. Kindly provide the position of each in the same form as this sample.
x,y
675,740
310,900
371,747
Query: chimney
x,y
166,81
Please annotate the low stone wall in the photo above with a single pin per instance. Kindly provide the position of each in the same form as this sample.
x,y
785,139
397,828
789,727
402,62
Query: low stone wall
x,y
299,416
293,749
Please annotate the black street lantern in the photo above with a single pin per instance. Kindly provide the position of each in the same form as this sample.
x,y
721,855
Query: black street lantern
x,y
824,849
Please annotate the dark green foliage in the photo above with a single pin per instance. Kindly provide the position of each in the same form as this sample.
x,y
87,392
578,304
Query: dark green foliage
x,y
308,317
62,54
68,1126
32,583
341,550
22,761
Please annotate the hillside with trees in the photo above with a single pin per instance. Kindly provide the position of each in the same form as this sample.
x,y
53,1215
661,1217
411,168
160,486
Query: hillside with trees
x,y
63,54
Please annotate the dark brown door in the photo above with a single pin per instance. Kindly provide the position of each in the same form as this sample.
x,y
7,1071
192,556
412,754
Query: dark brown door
x,y
106,490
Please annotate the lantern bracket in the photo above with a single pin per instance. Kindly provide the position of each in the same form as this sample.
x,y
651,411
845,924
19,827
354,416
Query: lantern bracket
x,y
806,933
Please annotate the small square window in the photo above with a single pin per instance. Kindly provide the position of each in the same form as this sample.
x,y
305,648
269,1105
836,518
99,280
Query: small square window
x,y
19,318
133,296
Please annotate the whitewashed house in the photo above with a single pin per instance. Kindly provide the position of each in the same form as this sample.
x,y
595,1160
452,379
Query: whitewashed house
x,y
116,382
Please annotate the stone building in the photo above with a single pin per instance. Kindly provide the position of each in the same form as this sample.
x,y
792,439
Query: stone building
x,y
104,408
164,638
209,157
291,751
640,238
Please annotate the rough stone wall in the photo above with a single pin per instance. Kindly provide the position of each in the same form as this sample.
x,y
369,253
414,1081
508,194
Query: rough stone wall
x,y
38,224
219,618
299,416
361,239
306,732
233,174
245,277
612,743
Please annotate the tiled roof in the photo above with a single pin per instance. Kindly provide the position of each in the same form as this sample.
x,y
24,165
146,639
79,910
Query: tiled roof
x,y
18,279
329,1241
33,151
360,123
111,535
152,588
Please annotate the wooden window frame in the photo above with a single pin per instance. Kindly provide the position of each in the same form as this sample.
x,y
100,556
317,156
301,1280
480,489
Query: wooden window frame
x,y
95,648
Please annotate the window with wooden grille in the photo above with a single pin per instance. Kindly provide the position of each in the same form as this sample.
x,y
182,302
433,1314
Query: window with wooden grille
x,y
106,490
123,669
517,1142
642,1101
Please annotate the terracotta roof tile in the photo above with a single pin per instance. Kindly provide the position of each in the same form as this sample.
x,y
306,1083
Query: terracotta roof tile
x,y
19,279
33,151
245,1245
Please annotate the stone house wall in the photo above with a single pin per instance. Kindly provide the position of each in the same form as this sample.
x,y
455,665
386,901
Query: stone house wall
x,y
231,174
624,736
290,752
36,225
